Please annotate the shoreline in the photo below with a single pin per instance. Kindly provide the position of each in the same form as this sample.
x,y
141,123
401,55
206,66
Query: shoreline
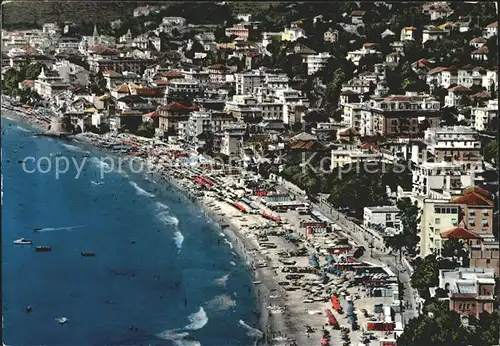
x,y
240,244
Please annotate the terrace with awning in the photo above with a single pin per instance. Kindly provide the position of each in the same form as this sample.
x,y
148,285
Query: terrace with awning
x,y
270,217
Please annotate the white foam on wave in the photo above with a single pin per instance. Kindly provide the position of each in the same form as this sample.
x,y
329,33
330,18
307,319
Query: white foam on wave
x,y
22,129
228,243
222,281
161,206
198,320
74,148
232,263
177,338
49,229
179,239
221,303
252,332
222,234
140,191
99,163
167,218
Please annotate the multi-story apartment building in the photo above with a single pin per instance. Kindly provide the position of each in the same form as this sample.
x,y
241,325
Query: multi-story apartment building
x,y
469,212
470,75
170,115
481,117
430,177
385,216
181,89
400,115
48,83
453,144
341,158
232,139
291,100
246,82
485,255
316,62
442,77
217,73
244,108
471,290
238,30
455,95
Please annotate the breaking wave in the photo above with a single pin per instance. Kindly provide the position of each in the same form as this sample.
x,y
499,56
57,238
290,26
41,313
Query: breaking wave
x,y
74,148
198,320
49,229
221,303
179,239
22,129
167,218
140,191
252,332
228,243
222,281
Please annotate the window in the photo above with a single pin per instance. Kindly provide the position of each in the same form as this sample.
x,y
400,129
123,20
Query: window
x,y
448,210
437,221
488,261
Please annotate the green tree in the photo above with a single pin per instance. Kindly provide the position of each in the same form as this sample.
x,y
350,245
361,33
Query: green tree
x,y
491,152
444,328
426,272
455,250
146,129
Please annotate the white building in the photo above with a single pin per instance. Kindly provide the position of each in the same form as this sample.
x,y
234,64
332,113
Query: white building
x,y
232,139
178,22
491,30
408,33
385,216
316,62
71,73
482,116
433,34
341,158
246,82
455,95
440,176
356,55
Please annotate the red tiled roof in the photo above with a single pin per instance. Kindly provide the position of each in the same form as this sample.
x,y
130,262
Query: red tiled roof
x,y
348,92
478,40
412,28
218,67
102,50
482,95
307,145
28,83
473,198
357,13
441,69
173,74
160,82
460,89
483,50
367,146
493,25
178,107
348,132
152,114
459,232
148,91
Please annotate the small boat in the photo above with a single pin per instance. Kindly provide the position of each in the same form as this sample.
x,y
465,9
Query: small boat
x,y
257,282
22,241
28,308
61,320
85,155
88,254
43,249
37,229
20,161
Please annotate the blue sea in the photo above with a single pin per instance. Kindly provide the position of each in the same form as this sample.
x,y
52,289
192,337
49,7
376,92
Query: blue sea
x,y
162,274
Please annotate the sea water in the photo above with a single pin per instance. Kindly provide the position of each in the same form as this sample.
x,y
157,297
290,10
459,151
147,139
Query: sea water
x,y
161,275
